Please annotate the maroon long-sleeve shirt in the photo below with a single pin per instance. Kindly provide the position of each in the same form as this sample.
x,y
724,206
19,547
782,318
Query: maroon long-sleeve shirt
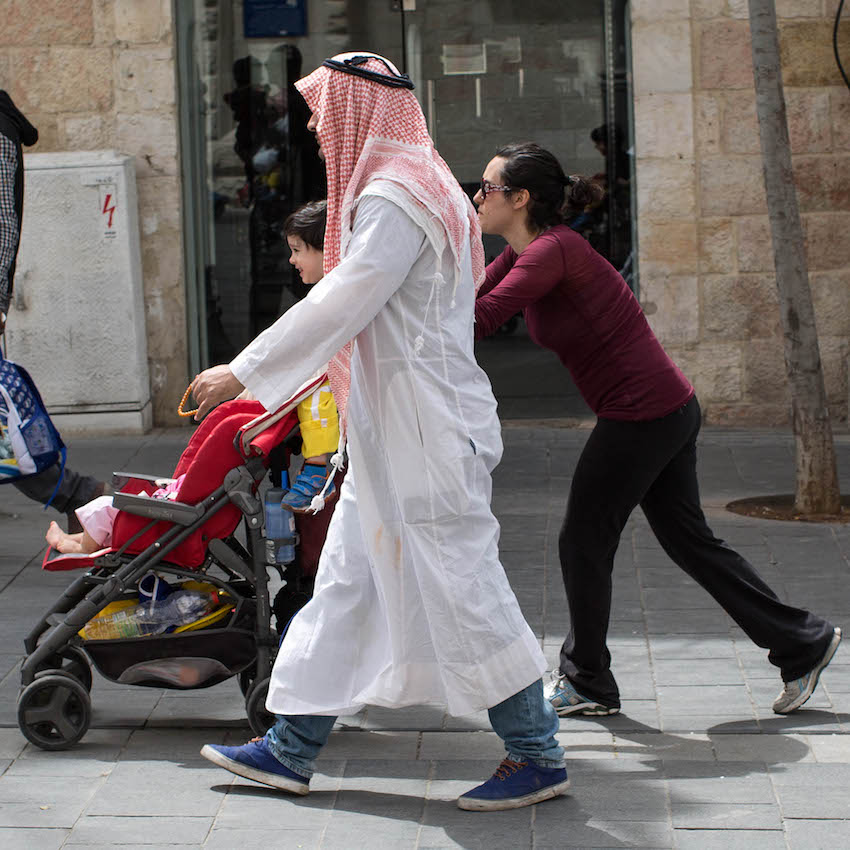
x,y
576,304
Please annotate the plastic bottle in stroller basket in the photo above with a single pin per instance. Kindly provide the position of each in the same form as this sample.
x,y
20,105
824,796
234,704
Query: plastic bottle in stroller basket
x,y
150,618
280,528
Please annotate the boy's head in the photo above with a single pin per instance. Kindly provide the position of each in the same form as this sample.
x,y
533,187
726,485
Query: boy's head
x,y
305,234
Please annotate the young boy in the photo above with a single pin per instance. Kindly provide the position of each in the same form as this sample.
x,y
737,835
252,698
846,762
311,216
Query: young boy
x,y
305,234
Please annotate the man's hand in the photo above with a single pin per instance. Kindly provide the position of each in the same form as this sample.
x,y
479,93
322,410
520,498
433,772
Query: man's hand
x,y
213,386
2,323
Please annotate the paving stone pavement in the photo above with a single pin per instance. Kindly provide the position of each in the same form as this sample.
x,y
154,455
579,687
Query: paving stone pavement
x,y
696,759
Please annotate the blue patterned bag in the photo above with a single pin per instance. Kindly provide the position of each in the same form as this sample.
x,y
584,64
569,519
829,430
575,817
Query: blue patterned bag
x,y
29,442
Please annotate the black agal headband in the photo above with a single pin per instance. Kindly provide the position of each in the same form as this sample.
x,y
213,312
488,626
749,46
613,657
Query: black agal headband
x,y
352,66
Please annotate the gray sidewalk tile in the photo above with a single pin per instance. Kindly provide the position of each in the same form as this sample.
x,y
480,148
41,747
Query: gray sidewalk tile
x,y
160,789
360,819
770,749
480,721
45,802
95,756
249,805
12,743
144,846
40,815
445,825
690,747
810,774
454,745
719,782
731,839
704,674
385,745
814,721
815,802
587,745
663,647
32,839
817,834
725,699
171,746
677,598
127,707
830,748
701,621
222,705
114,831
551,832
263,839
417,718
634,800
734,724
635,715
725,815
635,686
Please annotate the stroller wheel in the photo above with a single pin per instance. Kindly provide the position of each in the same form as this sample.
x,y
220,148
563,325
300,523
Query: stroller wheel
x,y
259,718
54,711
70,661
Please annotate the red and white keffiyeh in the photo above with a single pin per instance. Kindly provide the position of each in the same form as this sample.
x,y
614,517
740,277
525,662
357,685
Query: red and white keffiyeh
x,y
370,131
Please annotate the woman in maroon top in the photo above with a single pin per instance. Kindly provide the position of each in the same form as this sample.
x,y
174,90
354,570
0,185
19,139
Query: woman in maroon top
x,y
642,450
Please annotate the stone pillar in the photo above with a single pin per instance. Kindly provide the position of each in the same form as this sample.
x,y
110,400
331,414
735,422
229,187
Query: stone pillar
x,y
99,74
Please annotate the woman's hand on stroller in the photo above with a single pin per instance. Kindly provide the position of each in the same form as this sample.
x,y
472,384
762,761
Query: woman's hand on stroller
x,y
213,386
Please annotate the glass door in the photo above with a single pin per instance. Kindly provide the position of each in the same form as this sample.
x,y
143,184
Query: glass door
x,y
555,72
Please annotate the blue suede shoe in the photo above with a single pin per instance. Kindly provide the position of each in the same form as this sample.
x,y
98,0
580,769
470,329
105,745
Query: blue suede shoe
x,y
515,784
254,760
308,484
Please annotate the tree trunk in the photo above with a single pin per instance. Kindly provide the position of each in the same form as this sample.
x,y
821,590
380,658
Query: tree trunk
x,y
817,476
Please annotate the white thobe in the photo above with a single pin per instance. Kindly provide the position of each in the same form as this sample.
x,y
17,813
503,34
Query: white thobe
x,y
411,604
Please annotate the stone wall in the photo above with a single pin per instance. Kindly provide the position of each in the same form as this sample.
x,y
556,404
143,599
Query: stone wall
x,y
94,74
707,276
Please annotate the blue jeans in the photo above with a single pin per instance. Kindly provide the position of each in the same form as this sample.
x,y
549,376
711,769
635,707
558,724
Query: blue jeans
x,y
526,722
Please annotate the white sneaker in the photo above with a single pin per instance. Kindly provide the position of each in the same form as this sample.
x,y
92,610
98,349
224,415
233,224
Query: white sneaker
x,y
795,693
566,700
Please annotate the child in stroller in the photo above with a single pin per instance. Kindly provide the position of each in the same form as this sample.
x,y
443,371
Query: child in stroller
x,y
190,539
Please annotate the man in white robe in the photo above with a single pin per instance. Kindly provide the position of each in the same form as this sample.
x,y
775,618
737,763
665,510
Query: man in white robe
x,y
411,603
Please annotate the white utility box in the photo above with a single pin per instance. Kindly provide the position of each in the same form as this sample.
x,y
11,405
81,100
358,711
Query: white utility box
x,y
77,318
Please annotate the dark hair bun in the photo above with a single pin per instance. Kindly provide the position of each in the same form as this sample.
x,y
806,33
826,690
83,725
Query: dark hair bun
x,y
554,195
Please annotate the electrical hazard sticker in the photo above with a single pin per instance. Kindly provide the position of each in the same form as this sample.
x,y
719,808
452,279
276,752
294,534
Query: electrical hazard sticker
x,y
108,208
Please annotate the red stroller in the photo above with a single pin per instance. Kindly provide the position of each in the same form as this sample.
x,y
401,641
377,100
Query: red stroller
x,y
190,539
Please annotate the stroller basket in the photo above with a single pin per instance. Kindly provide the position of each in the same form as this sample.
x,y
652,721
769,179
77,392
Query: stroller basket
x,y
181,661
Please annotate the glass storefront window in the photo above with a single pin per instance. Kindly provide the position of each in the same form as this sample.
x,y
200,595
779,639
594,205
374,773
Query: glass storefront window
x,y
487,72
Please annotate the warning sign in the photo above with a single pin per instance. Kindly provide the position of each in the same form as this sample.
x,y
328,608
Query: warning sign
x,y
108,207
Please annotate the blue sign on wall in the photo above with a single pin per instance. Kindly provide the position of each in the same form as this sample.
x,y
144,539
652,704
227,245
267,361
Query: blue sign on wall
x,y
272,18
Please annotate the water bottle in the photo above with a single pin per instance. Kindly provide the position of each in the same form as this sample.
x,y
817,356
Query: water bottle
x,y
280,528
121,624
177,609
152,618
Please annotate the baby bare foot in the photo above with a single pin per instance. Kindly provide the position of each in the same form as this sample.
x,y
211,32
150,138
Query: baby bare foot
x,y
65,543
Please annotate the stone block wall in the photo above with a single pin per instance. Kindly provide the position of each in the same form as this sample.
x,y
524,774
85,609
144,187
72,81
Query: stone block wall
x,y
707,276
94,74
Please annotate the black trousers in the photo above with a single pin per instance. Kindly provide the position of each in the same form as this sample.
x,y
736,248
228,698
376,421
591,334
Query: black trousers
x,y
653,464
